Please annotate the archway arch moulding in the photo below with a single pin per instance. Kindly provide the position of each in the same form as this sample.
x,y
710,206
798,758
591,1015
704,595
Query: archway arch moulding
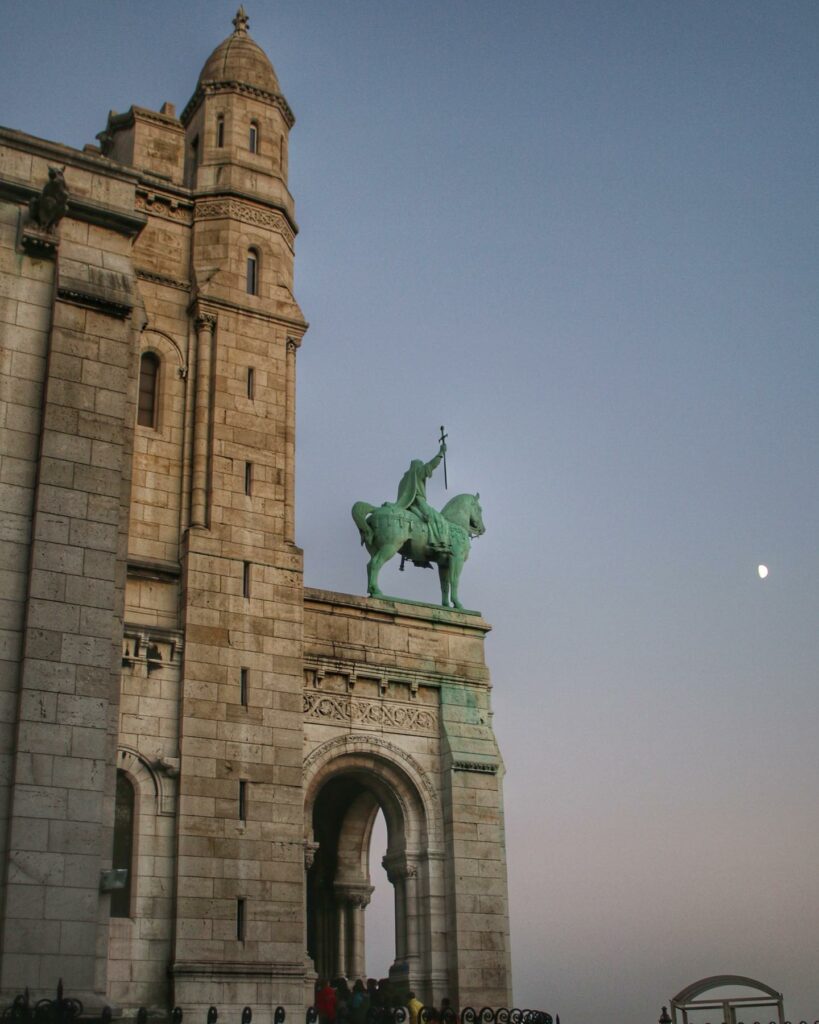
x,y
332,751
346,780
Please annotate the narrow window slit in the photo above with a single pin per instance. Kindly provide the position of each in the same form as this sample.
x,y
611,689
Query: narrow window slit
x,y
148,381
252,272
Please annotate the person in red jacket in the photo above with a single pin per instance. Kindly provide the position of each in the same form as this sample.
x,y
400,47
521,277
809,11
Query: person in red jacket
x,y
326,1002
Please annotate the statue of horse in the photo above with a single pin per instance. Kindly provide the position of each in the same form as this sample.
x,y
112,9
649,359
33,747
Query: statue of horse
x,y
390,530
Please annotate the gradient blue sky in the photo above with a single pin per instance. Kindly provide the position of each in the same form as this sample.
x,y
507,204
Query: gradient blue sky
x,y
583,235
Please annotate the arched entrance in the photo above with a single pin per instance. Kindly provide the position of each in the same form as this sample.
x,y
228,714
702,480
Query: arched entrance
x,y
348,780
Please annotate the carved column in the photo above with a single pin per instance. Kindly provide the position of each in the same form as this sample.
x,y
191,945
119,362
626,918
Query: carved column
x,y
354,896
205,326
395,869
341,937
356,958
310,850
411,909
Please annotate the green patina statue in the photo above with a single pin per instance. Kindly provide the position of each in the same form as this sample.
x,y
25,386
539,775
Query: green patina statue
x,y
420,533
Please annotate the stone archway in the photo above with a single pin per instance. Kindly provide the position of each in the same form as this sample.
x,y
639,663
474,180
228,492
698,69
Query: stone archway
x,y
348,780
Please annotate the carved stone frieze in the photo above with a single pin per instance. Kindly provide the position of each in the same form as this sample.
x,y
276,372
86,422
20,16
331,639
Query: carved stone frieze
x,y
484,767
373,714
210,209
159,205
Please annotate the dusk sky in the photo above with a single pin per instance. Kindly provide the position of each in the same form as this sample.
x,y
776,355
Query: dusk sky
x,y
583,236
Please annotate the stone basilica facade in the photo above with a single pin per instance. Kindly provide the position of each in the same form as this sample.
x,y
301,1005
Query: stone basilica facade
x,y
194,746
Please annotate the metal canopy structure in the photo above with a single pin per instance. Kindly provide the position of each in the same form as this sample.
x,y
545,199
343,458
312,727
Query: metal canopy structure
x,y
694,998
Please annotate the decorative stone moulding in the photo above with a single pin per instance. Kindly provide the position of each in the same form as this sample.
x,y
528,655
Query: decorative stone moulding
x,y
160,205
34,241
153,647
483,767
244,90
247,213
168,282
334,708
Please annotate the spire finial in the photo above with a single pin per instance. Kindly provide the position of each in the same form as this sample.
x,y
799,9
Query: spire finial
x,y
240,22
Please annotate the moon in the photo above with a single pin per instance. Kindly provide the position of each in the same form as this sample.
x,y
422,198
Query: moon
x,y
762,570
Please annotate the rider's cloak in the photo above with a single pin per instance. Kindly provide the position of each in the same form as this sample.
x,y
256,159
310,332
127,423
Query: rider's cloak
x,y
413,484
412,494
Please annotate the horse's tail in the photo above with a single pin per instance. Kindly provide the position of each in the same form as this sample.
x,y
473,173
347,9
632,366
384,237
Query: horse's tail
x,y
361,510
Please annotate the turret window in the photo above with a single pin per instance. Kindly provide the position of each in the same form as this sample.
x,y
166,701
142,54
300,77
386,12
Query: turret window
x,y
148,382
220,131
252,272
253,137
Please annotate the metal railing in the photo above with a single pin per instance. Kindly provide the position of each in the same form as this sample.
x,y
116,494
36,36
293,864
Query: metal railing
x,y
66,1010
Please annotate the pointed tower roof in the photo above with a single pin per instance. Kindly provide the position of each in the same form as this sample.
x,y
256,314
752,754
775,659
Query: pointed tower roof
x,y
239,59
239,65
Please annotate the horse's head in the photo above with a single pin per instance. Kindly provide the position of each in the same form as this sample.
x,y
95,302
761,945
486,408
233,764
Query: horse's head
x,y
465,511
476,527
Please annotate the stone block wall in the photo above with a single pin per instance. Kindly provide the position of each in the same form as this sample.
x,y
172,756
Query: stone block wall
x,y
71,449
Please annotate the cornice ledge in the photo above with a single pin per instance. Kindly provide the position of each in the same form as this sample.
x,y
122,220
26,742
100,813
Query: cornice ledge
x,y
57,152
482,767
234,969
169,282
241,87
235,307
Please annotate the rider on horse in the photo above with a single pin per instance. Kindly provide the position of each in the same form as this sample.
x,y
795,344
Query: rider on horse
x,y
412,495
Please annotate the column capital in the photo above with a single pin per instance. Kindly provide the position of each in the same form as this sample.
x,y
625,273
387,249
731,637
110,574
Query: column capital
x,y
205,321
356,894
399,867
310,851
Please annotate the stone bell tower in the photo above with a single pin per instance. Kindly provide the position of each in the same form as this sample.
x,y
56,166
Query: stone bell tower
x,y
240,846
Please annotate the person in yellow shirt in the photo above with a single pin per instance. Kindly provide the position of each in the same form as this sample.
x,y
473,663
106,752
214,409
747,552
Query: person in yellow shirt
x,y
414,1006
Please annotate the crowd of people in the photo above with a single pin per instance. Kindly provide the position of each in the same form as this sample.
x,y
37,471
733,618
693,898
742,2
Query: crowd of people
x,y
375,1002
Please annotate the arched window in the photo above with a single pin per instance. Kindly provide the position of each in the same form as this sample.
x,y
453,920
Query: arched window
x,y
123,854
220,131
252,272
148,390
253,137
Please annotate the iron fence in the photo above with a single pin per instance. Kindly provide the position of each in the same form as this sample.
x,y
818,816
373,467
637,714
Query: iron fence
x,y
66,1010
